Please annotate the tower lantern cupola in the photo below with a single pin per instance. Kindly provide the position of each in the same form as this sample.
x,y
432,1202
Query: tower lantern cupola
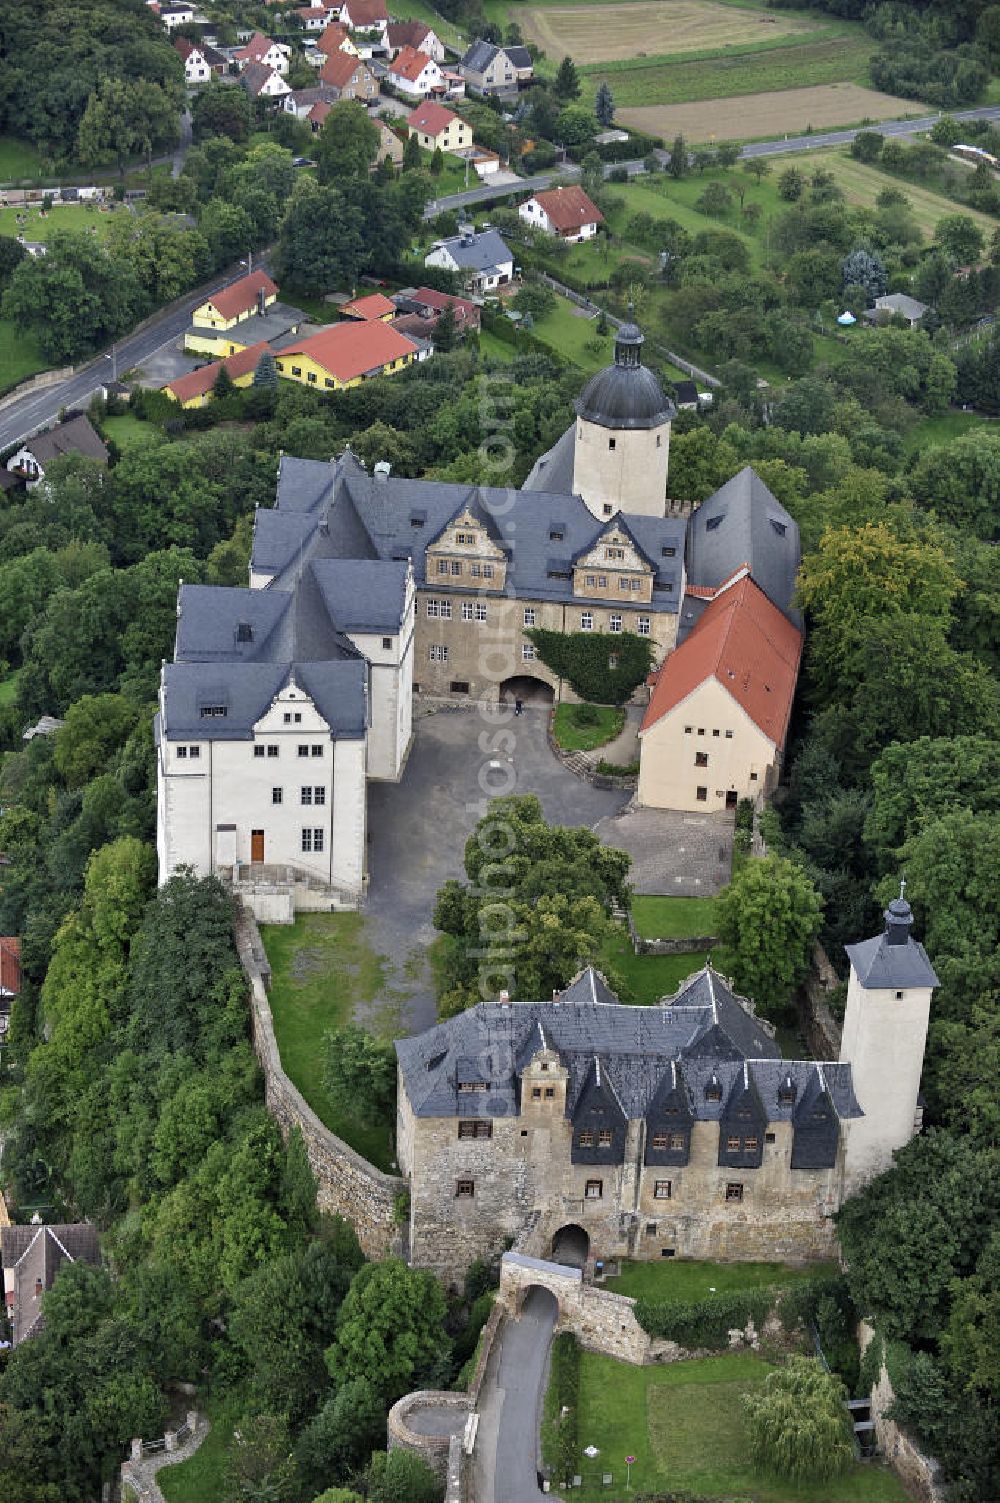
x,y
629,342
898,918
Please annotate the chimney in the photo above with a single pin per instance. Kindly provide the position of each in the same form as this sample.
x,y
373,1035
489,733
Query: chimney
x,y
260,300
504,997
382,470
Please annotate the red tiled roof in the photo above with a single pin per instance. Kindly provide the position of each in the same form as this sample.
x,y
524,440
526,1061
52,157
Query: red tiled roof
x,y
340,68
319,111
569,208
197,383
184,47
375,305
242,295
410,64
464,309
428,118
353,348
749,646
407,33
365,13
255,49
10,964
332,39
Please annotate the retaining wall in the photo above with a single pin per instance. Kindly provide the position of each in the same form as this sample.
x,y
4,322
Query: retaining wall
x,y
434,1449
347,1185
919,1473
821,1029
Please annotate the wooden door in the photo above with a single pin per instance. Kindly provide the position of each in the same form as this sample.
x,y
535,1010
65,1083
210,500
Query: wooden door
x,y
256,845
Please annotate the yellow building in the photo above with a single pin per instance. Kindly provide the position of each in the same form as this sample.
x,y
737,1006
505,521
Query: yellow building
x,y
196,388
229,306
346,354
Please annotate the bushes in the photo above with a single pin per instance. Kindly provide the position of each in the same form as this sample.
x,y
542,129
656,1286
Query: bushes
x,y
559,1422
584,659
706,1322
797,1424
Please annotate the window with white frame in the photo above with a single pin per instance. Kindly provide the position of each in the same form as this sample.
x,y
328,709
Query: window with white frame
x,y
529,616
437,653
466,610
615,624
528,652
587,621
643,626
312,838
480,610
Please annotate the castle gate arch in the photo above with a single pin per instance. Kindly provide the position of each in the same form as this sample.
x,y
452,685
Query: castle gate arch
x,y
571,1246
527,688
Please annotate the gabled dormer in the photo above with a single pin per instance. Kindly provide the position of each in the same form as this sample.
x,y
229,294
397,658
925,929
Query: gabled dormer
x,y
614,567
599,1120
543,1077
465,556
669,1120
742,1124
815,1126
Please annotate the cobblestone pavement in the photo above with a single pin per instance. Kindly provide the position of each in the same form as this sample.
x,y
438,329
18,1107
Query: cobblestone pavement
x,y
688,855
418,829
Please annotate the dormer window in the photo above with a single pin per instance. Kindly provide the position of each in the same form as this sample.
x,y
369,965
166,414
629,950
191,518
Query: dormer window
x,y
556,535
786,1092
713,1090
713,522
779,527
210,711
244,632
668,552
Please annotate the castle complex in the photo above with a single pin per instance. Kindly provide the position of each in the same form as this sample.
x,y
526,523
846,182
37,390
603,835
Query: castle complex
x,y
285,698
654,1132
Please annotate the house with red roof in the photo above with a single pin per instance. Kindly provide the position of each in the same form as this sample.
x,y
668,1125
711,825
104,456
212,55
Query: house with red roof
x,y
566,212
715,727
196,66
250,294
428,304
346,354
10,968
416,34
437,128
262,82
349,77
365,15
197,387
335,38
261,50
375,305
415,74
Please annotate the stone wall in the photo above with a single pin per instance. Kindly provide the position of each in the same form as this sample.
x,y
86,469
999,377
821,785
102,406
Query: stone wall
x,y
602,1322
434,1449
821,1029
347,1185
920,1474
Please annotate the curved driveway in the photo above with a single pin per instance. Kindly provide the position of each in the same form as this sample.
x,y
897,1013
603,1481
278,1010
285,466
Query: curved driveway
x,y
510,1407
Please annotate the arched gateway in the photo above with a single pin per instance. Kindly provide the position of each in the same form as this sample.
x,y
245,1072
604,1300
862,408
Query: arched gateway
x,y
571,1246
524,686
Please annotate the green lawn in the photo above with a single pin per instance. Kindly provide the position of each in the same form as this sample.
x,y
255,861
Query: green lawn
x,y
688,1279
673,918
573,335
683,1423
20,356
18,159
648,977
40,224
8,689
573,734
200,1479
942,429
131,432
323,972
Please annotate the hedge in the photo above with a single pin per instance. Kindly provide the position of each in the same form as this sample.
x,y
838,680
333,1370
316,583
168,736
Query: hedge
x,y
637,146
562,1399
706,1322
582,658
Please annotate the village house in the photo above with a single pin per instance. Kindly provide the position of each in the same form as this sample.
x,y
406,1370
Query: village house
x,y
349,77
428,304
483,259
415,34
336,38
365,15
437,128
76,435
175,15
32,1256
313,17
566,212
346,354
897,305
196,388
262,82
261,50
488,69
301,102
389,146
230,305
414,73
196,65
374,305
677,1130
10,978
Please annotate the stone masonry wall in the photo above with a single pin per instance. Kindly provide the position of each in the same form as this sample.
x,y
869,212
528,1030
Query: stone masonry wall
x,y
434,1449
347,1185
822,1031
920,1474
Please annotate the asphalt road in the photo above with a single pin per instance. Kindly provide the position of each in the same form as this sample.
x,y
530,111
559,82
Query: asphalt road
x,y
510,1407
29,413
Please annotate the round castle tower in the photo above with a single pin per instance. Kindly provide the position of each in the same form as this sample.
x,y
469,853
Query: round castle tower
x,y
622,446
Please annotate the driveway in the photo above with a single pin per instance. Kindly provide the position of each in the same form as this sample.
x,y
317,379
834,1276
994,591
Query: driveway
x,y
510,1403
418,829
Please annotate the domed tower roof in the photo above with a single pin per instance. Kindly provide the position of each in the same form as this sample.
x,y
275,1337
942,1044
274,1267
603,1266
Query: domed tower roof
x,y
625,394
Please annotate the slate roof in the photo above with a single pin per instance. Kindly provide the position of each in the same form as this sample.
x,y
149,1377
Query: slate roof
x,y
479,56
633,1048
519,56
35,1255
247,691
744,642
392,518
743,523
893,960
475,252
77,435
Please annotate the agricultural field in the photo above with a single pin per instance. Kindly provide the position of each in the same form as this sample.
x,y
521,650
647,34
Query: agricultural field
x,y
786,110
645,27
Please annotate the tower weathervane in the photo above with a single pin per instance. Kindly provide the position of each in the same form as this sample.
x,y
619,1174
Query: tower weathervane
x,y
902,888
